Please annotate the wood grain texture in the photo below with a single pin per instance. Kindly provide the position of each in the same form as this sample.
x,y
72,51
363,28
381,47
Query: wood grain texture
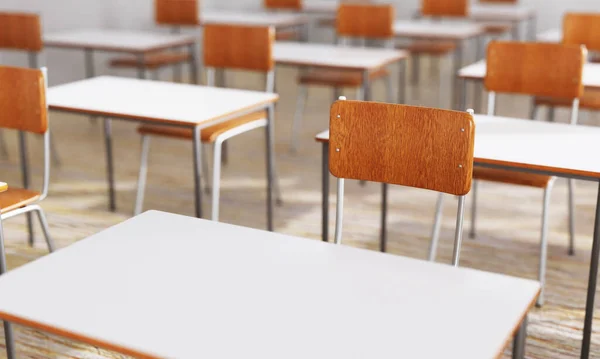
x,y
176,12
151,61
582,29
283,4
20,31
23,99
341,78
404,145
589,101
511,177
445,8
436,48
365,20
239,47
538,69
15,198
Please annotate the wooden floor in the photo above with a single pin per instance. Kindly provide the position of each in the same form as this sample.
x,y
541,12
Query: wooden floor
x,y
508,222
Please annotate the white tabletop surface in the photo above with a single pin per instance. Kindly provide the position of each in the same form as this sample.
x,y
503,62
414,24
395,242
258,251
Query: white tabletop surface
x,y
442,30
500,12
335,56
253,18
215,290
116,40
591,73
154,100
552,35
558,148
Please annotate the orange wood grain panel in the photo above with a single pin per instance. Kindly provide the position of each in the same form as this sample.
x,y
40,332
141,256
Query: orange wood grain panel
x,y
176,12
16,197
283,4
538,69
20,31
445,8
404,145
582,29
239,47
365,20
511,177
23,99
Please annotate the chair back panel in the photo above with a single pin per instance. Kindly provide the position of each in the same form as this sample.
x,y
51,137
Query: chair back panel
x,y
404,145
176,12
239,47
23,99
582,29
20,31
283,4
445,8
365,20
536,69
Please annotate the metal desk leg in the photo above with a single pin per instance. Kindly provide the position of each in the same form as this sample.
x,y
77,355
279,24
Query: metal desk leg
x,y
26,182
8,332
112,202
270,164
402,82
458,59
89,69
462,93
141,70
197,144
325,194
532,26
193,64
384,201
516,31
519,341
589,305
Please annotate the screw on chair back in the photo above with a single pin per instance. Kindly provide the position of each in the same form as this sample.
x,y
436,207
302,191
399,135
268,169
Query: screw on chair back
x,y
364,20
176,12
535,69
582,29
20,31
283,4
445,8
404,145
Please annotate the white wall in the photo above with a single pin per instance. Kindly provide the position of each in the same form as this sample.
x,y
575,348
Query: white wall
x,y
67,65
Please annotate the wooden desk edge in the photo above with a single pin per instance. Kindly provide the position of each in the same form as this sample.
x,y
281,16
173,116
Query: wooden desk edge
x,y
552,171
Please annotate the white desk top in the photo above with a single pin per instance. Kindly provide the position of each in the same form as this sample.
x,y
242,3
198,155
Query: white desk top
x,y
323,55
222,291
558,148
253,18
155,101
591,73
552,35
116,40
442,30
499,12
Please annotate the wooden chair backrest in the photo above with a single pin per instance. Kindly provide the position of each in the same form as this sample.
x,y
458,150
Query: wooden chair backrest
x,y
239,47
283,4
445,8
176,12
582,29
536,69
404,145
23,99
20,31
365,20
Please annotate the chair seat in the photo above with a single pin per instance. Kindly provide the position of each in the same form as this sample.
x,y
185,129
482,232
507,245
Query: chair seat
x,y
590,101
152,61
511,177
338,78
496,29
16,197
436,48
286,35
208,134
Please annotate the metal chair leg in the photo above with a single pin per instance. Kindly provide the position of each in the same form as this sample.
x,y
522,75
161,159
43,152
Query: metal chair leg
x,y
389,89
216,181
571,184
3,148
143,174
300,105
205,172
415,60
551,114
473,210
533,111
544,245
45,228
437,224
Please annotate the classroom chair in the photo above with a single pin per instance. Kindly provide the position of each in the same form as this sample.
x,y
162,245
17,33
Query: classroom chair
x,y
24,108
23,32
354,21
285,5
534,69
423,148
578,29
230,47
175,14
